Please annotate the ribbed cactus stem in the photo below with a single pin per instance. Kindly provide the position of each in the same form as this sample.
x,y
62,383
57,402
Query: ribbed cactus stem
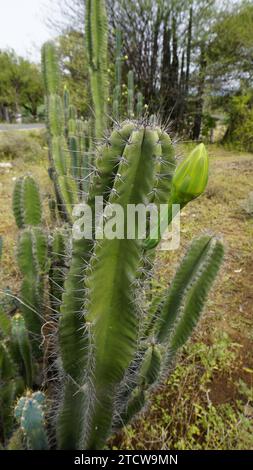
x,y
55,115
114,322
66,101
68,190
139,105
118,58
196,295
147,374
22,344
50,69
173,321
26,202
29,413
60,154
118,76
33,264
58,268
8,390
75,157
130,94
96,40
73,341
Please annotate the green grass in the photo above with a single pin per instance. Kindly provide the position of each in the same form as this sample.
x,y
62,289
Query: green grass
x,y
207,401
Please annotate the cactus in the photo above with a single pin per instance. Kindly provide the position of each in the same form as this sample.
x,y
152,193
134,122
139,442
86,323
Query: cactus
x,y
29,413
112,347
58,268
59,127
96,32
21,343
26,202
118,76
130,94
110,355
32,261
50,68
139,105
10,386
31,257
99,348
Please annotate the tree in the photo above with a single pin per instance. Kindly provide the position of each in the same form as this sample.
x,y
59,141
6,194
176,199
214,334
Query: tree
x,y
20,86
73,61
230,54
230,72
184,53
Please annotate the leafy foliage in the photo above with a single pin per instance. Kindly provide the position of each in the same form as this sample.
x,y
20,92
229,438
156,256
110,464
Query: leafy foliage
x,y
21,88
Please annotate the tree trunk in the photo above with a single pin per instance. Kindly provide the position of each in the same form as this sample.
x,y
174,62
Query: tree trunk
x,y
200,94
188,53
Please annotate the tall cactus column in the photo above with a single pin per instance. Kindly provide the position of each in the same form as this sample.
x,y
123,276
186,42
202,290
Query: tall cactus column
x,y
31,255
72,329
113,318
97,41
61,171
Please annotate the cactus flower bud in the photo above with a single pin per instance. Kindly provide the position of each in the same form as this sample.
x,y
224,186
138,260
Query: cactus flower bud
x,y
191,176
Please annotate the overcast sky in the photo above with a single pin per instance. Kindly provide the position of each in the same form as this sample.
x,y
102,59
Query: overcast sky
x,y
22,25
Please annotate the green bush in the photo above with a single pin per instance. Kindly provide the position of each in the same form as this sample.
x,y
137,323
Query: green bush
x,y
239,132
21,144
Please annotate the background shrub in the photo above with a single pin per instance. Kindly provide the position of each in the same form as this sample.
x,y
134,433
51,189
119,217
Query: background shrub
x,y
30,146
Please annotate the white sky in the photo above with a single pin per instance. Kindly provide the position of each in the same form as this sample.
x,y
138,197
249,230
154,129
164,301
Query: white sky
x,y
22,25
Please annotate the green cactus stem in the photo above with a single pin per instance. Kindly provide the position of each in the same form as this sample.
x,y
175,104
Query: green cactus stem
x,y
96,39
26,202
130,94
114,322
139,105
33,264
21,343
29,413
